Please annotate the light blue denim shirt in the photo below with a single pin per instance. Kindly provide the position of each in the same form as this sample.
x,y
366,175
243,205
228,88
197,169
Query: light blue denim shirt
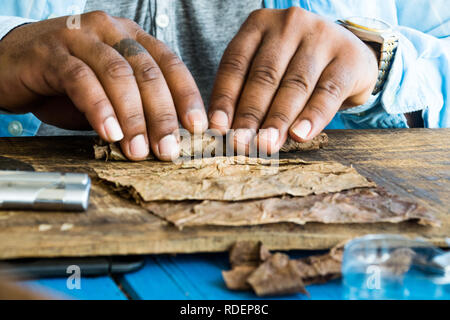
x,y
419,78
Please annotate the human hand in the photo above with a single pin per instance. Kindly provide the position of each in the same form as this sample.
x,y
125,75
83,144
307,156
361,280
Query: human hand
x,y
288,72
108,75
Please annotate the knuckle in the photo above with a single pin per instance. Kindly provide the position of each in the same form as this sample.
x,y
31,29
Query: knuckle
x,y
264,74
98,16
140,35
257,14
281,114
77,72
234,63
129,23
134,119
171,61
296,12
292,16
118,68
149,42
321,28
223,98
251,114
100,104
298,82
148,72
330,88
187,93
164,117
255,20
320,113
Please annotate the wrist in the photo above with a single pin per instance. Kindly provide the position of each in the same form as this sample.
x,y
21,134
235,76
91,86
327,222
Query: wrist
x,y
380,37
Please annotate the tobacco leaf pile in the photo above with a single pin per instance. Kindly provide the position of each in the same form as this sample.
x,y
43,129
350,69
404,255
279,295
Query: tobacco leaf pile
x,y
254,268
241,191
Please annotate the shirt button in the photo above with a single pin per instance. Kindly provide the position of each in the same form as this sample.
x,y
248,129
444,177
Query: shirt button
x,y
15,128
162,21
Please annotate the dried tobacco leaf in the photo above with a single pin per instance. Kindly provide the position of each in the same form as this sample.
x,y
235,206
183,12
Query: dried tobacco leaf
x,y
232,178
399,262
276,274
367,205
321,268
236,279
248,253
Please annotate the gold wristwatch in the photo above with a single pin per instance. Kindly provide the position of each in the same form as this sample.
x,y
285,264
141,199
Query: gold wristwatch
x,y
378,35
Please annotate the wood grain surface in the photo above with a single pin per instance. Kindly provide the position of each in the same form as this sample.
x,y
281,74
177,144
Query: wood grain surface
x,y
412,163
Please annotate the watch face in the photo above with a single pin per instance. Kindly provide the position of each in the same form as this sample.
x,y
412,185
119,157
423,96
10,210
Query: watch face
x,y
369,24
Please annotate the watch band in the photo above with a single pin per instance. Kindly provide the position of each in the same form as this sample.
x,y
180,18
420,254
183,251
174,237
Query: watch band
x,y
385,45
388,50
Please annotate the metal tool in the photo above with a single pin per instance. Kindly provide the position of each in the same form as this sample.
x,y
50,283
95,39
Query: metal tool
x,y
44,190
89,266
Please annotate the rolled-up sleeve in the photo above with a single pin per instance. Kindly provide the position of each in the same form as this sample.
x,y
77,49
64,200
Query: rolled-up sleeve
x,y
420,77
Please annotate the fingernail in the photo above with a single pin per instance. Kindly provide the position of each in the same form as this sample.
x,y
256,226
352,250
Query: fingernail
x,y
243,136
302,129
113,130
219,119
268,138
169,148
138,146
198,120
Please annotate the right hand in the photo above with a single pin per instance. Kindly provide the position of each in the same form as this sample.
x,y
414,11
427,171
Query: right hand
x,y
108,75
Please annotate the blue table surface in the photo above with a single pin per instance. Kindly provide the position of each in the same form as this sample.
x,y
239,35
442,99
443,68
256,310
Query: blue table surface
x,y
180,277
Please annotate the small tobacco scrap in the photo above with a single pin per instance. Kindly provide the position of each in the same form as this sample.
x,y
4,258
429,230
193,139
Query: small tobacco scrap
x,y
248,253
276,276
245,257
254,267
399,262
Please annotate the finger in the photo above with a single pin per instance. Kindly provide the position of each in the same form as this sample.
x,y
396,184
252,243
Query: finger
x,y
294,91
267,70
86,93
185,94
159,108
268,67
117,78
231,76
328,96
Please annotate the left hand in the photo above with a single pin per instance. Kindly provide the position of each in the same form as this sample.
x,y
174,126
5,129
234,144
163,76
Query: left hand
x,y
289,71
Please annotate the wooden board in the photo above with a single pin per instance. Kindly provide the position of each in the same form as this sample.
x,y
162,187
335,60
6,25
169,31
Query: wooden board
x,y
411,163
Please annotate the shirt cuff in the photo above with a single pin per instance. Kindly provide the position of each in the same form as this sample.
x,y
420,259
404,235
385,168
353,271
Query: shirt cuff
x,y
405,90
373,101
9,23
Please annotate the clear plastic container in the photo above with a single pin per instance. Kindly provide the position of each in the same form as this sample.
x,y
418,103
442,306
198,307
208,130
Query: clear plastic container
x,y
395,267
